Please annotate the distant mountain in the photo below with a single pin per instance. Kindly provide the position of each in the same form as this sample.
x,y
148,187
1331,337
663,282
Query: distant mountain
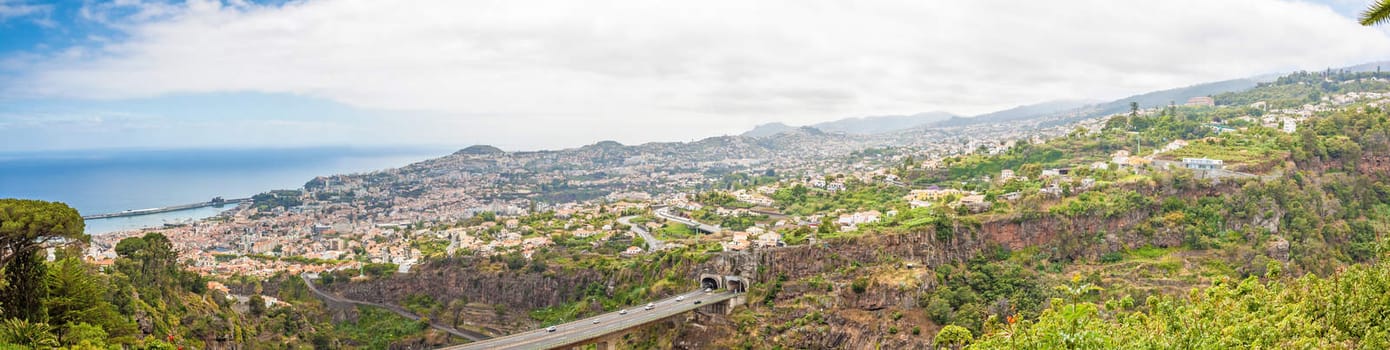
x,y
479,150
605,145
1368,67
882,124
1024,112
768,129
1165,97
1061,111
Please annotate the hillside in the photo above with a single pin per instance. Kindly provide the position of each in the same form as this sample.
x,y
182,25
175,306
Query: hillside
x,y
1024,112
1171,96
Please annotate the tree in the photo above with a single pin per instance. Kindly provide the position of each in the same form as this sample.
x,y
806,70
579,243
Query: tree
x,y
84,335
256,304
939,310
827,225
26,226
1133,108
952,337
75,296
1030,170
151,263
25,288
1377,13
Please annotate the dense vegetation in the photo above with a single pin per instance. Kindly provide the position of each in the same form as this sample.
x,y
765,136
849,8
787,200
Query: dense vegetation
x,y
1350,309
145,300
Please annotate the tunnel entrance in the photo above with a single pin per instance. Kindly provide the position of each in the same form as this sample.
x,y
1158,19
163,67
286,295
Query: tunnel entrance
x,y
709,283
736,286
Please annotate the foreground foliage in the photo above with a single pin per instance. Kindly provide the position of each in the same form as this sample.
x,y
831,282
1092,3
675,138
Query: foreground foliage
x,y
1347,310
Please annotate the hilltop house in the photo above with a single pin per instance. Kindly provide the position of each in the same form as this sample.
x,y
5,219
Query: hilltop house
x,y
770,239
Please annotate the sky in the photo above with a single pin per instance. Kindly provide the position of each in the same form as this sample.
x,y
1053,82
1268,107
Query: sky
x,y
525,75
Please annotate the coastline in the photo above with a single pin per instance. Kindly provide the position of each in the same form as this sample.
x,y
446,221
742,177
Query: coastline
x,y
155,220
113,181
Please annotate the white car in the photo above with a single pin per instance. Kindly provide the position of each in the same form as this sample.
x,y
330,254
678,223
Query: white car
x,y
649,306
595,321
622,312
680,298
550,329
707,290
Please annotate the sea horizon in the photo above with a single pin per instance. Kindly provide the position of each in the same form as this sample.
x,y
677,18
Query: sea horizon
x,y
109,181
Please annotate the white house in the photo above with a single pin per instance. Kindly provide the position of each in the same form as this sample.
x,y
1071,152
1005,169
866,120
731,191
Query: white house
x,y
1203,163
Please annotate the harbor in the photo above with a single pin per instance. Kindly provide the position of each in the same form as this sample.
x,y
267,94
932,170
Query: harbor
x,y
215,202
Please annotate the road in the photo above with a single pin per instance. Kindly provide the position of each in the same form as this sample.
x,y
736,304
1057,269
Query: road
x,y
653,244
585,329
470,335
665,213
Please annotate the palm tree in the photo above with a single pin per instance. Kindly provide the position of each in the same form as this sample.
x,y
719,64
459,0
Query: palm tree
x,y
31,334
1378,13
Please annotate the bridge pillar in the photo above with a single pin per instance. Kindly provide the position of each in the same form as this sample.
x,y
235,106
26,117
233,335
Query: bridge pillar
x,y
609,343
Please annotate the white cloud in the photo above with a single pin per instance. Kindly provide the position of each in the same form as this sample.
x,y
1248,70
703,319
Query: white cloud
x,y
10,9
553,73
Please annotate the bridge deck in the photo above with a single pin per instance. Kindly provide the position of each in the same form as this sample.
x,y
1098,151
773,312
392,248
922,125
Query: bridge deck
x,y
584,330
663,213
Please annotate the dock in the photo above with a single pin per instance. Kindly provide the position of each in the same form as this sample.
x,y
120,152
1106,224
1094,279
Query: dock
x,y
215,202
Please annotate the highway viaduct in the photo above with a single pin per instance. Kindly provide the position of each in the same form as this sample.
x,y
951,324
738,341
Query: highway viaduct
x,y
718,295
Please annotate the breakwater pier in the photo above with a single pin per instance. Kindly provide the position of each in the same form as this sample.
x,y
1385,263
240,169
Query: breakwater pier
x,y
215,202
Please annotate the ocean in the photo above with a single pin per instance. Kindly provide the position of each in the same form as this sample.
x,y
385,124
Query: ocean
x,y
105,181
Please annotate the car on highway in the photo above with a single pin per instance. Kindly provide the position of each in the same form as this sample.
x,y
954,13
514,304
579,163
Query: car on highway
x,y
550,329
649,306
707,290
680,298
697,302
595,321
622,312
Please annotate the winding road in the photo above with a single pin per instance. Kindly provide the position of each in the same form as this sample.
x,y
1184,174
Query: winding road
x,y
653,244
665,213
470,335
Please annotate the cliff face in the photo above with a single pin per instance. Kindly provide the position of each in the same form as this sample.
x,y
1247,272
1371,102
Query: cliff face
x,y
1374,164
924,248
521,291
